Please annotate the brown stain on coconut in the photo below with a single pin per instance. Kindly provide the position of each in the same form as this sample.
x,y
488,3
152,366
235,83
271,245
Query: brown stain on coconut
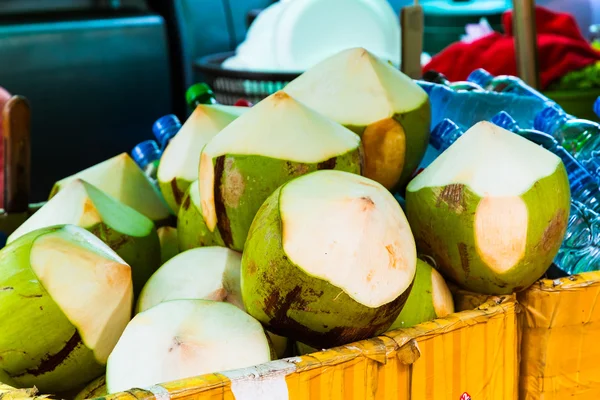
x,y
51,361
296,169
454,196
186,203
464,259
328,164
223,224
554,232
234,186
177,193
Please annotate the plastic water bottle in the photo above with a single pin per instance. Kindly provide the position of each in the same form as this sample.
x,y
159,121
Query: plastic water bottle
x,y
444,134
579,137
165,128
439,78
584,186
465,108
505,84
199,93
147,156
597,106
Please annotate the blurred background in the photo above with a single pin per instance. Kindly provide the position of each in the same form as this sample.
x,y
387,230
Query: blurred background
x,y
98,73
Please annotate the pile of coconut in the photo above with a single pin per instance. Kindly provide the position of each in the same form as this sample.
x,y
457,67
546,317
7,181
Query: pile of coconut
x,y
273,231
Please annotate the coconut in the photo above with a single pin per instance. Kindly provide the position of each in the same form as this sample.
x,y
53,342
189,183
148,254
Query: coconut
x,y
206,273
430,298
95,389
274,141
386,108
169,244
130,234
65,298
179,339
491,210
329,260
121,178
191,229
178,166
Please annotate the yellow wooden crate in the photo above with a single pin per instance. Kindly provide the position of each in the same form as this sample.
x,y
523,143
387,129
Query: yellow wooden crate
x,y
473,352
560,328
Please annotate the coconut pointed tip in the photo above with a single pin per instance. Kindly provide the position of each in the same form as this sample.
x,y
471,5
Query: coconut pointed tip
x,y
281,97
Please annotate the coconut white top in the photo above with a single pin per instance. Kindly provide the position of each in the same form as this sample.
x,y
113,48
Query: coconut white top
x,y
207,273
182,156
121,177
491,161
283,128
356,88
350,231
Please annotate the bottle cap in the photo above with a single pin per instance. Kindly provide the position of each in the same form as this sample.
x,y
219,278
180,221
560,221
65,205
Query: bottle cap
x,y
549,119
444,134
481,77
145,153
504,120
165,128
199,93
597,106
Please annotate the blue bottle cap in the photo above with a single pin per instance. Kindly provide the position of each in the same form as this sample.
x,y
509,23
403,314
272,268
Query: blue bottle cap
x,y
481,77
444,134
504,120
165,128
549,119
145,153
597,106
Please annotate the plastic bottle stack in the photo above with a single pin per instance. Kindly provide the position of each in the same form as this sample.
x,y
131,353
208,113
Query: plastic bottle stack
x,y
165,129
439,78
147,156
504,84
579,137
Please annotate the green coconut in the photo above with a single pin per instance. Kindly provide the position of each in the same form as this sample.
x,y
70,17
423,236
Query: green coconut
x,y
192,231
130,234
121,178
179,339
95,389
178,166
169,244
430,298
330,259
65,299
491,210
275,141
386,108
206,273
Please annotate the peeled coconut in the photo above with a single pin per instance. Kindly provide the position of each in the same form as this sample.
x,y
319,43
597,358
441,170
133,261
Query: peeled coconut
x,y
183,338
65,299
121,178
169,245
178,166
274,141
130,234
191,229
389,111
95,389
491,210
430,298
206,273
330,259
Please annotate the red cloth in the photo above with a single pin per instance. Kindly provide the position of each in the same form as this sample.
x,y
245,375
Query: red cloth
x,y
561,49
4,97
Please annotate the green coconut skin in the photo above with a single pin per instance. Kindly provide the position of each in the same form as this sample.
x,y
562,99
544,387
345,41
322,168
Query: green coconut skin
x,y
419,305
97,388
302,307
38,346
242,183
169,246
416,125
173,192
442,220
192,231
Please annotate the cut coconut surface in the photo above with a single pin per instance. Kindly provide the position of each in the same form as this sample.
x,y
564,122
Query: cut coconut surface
x,y
491,210
74,296
192,231
430,298
207,273
275,141
129,233
330,259
169,244
179,163
386,108
183,338
121,178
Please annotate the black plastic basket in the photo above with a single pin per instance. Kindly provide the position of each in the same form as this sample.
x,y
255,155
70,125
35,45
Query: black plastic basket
x,y
231,85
